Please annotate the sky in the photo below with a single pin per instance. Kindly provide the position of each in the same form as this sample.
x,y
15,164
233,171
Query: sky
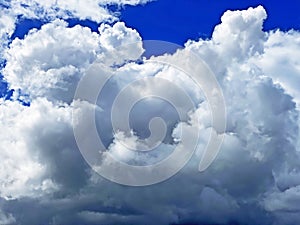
x,y
149,112
202,16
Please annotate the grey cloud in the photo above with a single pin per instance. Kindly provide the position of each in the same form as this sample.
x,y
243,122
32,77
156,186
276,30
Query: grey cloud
x,y
254,179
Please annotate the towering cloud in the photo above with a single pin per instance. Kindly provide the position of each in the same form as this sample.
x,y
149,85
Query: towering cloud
x,y
45,180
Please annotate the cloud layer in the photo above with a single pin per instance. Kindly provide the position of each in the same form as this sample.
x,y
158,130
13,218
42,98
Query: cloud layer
x,y
255,178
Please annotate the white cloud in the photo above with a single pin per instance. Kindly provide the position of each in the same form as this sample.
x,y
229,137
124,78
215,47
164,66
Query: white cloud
x,y
50,59
53,59
22,172
7,27
94,10
120,42
240,34
279,60
257,169
49,10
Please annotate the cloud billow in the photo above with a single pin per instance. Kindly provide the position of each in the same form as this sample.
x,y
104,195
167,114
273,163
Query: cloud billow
x,y
254,179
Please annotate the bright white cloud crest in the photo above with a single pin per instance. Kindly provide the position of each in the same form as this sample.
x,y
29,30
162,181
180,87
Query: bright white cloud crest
x,y
258,166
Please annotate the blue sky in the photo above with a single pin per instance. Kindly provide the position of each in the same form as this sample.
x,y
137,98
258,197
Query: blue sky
x,y
185,19
179,20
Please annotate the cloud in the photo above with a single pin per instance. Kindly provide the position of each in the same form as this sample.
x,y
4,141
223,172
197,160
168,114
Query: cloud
x,y
254,179
11,11
240,33
279,50
29,169
53,59
50,9
6,218
7,26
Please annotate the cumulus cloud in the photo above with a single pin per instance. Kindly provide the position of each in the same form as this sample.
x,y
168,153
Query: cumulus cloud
x,y
254,179
279,50
93,10
29,169
53,59
7,26
11,11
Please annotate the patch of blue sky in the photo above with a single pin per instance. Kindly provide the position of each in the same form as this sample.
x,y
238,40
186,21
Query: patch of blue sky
x,y
4,90
179,20
25,25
